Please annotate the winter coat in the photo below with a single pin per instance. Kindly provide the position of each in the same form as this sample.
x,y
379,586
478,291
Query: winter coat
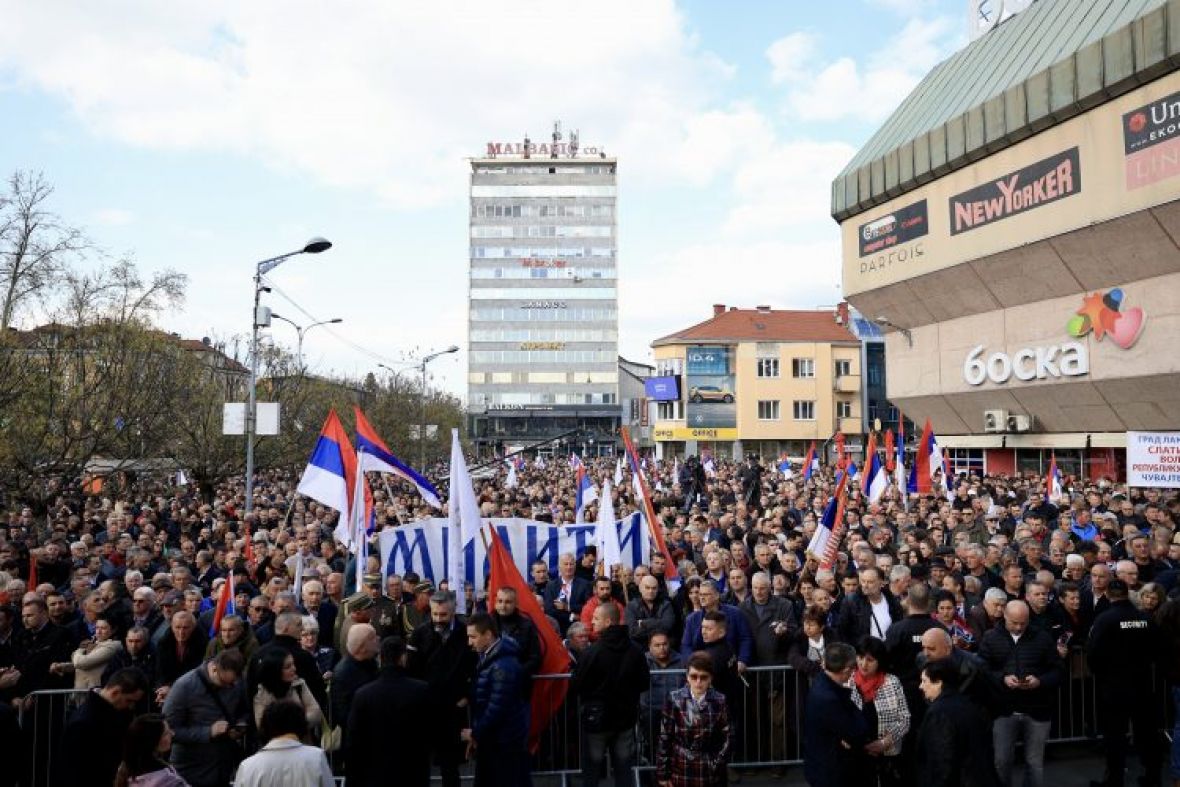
x,y
612,671
286,762
164,777
520,629
500,708
392,721
770,648
661,684
92,743
856,616
954,745
737,633
829,718
298,692
642,621
89,666
1035,654
191,708
169,665
695,740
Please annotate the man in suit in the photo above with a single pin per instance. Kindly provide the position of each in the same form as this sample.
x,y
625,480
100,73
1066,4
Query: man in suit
x,y
835,732
391,725
565,596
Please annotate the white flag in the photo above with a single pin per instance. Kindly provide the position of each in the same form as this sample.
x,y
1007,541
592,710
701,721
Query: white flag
x,y
619,472
299,577
608,537
510,482
464,522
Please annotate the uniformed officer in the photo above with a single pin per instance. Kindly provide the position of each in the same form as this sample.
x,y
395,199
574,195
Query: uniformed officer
x,y
357,608
415,614
385,616
1121,653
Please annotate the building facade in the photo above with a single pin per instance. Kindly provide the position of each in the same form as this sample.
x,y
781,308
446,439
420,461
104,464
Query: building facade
x,y
759,380
1020,229
543,298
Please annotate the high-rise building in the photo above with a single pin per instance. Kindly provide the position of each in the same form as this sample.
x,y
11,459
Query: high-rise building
x,y
543,308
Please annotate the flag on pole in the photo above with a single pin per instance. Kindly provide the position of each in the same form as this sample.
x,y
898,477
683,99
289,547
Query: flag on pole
x,y
929,460
181,478
1054,489
643,496
899,473
873,484
619,472
547,695
510,481
464,522
298,588
586,494
784,466
539,462
948,481
331,470
609,550
378,458
810,462
825,529
225,604
708,466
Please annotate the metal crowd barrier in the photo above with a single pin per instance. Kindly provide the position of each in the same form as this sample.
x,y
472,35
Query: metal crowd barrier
x,y
768,717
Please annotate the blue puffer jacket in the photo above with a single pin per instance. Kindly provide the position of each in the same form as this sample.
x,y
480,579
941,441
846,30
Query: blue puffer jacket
x,y
500,704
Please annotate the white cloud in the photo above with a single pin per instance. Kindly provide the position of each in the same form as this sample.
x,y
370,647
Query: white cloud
x,y
869,91
388,97
113,217
790,56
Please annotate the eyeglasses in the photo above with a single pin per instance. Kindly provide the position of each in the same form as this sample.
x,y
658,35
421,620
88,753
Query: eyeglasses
x,y
696,677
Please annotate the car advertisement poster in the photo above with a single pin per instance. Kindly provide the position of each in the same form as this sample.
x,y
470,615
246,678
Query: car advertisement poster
x,y
709,382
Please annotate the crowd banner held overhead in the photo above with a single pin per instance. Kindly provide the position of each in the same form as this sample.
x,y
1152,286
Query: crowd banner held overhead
x,y
1153,459
547,695
424,547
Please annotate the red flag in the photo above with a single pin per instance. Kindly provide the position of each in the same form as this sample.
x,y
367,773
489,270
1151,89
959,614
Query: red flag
x,y
548,694
248,549
924,471
890,452
841,456
225,604
32,572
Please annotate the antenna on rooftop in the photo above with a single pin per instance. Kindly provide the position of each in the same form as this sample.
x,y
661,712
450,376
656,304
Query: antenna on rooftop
x,y
573,144
556,138
528,145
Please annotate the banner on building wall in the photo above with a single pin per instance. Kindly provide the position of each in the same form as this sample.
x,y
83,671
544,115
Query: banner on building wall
x,y
1153,459
422,547
712,396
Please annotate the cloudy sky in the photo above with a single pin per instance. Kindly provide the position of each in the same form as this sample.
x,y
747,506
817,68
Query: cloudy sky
x,y
206,136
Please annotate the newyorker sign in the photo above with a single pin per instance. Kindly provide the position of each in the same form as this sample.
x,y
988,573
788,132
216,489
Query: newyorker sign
x,y
1046,181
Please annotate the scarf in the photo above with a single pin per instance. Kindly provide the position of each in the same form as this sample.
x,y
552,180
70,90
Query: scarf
x,y
867,686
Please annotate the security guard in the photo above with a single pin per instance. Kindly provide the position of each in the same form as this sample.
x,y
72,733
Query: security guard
x,y
1121,652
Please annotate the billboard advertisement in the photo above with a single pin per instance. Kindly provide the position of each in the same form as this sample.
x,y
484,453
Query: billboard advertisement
x,y
662,389
711,394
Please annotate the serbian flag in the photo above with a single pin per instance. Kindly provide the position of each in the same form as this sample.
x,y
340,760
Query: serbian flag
x,y
929,459
547,695
331,471
948,480
377,457
587,494
810,462
899,473
873,483
225,604
1054,489
826,527
643,496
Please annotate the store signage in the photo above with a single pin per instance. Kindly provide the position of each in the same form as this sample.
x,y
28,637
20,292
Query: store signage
x,y
537,262
537,149
1104,315
1153,459
518,407
543,305
900,226
542,345
1151,142
1030,363
662,389
688,433
1042,183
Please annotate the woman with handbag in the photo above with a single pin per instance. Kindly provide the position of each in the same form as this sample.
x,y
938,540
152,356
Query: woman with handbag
x,y
278,680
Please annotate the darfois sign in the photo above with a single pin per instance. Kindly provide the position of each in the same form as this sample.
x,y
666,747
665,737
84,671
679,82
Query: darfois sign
x,y
1151,142
893,238
1042,183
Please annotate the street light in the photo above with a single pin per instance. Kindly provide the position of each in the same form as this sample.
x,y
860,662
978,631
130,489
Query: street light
x,y
313,246
454,348
300,331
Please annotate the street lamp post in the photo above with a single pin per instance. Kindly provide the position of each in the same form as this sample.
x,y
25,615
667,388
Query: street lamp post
x,y
313,246
454,348
300,332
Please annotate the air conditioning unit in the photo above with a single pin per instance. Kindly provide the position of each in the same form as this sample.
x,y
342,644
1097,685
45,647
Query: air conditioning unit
x,y
995,421
1020,423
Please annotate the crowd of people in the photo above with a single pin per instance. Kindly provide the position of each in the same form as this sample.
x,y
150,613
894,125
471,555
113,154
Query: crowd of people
x,y
933,649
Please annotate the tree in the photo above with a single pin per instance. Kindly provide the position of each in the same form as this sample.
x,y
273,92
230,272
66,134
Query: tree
x,y
36,247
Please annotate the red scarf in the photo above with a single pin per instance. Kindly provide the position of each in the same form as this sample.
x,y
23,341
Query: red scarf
x,y
867,686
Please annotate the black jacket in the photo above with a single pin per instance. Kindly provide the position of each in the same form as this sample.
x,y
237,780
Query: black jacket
x,y
1123,646
770,648
856,616
903,644
954,745
169,665
520,628
1035,654
392,732
33,652
830,719
447,666
613,670
347,680
92,745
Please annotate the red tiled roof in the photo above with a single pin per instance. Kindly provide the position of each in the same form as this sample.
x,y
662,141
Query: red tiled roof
x,y
775,325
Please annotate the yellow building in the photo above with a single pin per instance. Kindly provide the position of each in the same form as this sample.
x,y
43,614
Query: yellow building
x,y
758,380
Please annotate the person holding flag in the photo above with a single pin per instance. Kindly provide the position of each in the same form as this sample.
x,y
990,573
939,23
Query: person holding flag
x,y
873,484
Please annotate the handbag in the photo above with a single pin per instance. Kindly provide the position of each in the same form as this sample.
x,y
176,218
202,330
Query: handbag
x,y
330,737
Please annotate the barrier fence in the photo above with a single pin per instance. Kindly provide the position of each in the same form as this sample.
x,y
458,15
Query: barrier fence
x,y
767,714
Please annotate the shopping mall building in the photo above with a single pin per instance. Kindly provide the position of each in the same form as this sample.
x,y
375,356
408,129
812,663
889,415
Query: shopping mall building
x,y
1016,221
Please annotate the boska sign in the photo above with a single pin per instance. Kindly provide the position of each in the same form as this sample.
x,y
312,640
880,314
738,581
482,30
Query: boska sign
x,y
1029,363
